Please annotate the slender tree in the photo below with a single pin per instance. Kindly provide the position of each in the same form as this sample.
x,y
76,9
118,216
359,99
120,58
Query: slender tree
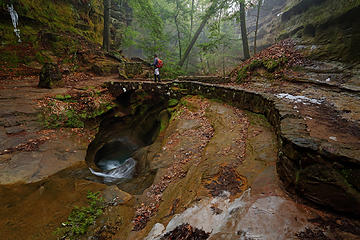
x,y
191,18
243,30
191,27
177,27
210,12
257,23
106,34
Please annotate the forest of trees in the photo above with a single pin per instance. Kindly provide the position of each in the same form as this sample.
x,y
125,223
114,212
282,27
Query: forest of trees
x,y
194,36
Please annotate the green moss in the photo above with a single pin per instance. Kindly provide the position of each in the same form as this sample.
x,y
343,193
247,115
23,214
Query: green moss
x,y
73,120
217,100
62,18
80,219
297,177
69,117
104,107
10,58
242,74
62,97
346,173
7,33
173,102
256,119
255,64
164,120
41,58
270,65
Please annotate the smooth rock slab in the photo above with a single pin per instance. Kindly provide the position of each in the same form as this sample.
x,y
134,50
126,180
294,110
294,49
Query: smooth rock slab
x,y
28,167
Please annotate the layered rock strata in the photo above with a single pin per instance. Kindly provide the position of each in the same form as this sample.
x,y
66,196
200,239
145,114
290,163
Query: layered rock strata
x,y
323,169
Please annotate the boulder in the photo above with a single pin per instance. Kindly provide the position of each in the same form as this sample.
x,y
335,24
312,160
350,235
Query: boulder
x,y
133,68
50,76
122,74
105,67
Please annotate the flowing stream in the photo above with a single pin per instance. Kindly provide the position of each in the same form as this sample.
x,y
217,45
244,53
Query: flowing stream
x,y
114,160
117,170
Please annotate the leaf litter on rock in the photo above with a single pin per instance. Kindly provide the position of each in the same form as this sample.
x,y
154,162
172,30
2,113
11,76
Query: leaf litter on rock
x,y
175,170
186,232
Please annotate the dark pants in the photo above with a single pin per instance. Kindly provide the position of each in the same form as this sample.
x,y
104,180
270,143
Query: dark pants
x,y
156,77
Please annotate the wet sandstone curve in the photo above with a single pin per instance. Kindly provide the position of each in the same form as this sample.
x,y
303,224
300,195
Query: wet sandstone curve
x,y
322,170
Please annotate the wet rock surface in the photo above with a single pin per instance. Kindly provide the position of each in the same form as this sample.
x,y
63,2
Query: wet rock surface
x,y
211,145
196,161
42,171
28,150
317,125
35,210
241,150
188,155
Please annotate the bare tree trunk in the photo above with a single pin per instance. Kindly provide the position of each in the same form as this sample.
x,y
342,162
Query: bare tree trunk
x,y
192,17
223,59
202,64
208,66
243,31
177,28
106,34
178,33
191,27
212,9
257,24
193,40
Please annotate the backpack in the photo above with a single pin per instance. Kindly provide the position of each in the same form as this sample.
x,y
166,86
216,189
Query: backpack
x,y
160,63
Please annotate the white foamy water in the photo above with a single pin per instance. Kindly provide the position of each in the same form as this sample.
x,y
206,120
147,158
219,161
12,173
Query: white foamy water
x,y
117,170
15,20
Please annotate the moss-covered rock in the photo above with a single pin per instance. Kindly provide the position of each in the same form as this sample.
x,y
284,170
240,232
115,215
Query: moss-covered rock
x,y
270,65
50,76
49,29
105,67
59,16
133,68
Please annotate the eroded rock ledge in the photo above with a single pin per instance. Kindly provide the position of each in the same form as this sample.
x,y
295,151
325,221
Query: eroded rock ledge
x,y
325,171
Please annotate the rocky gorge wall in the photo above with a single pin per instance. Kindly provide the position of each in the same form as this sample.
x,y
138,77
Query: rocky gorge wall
x,y
49,30
328,29
332,28
306,165
58,30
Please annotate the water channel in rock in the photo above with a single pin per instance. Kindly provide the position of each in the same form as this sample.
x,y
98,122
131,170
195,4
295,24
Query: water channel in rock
x,y
134,152
118,154
115,160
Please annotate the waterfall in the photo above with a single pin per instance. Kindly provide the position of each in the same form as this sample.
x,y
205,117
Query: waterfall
x,y
15,20
117,171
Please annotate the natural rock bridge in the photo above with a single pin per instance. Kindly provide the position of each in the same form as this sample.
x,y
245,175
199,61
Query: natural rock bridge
x,y
319,156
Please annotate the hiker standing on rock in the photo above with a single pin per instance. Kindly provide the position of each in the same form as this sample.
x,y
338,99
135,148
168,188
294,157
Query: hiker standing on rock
x,y
157,65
